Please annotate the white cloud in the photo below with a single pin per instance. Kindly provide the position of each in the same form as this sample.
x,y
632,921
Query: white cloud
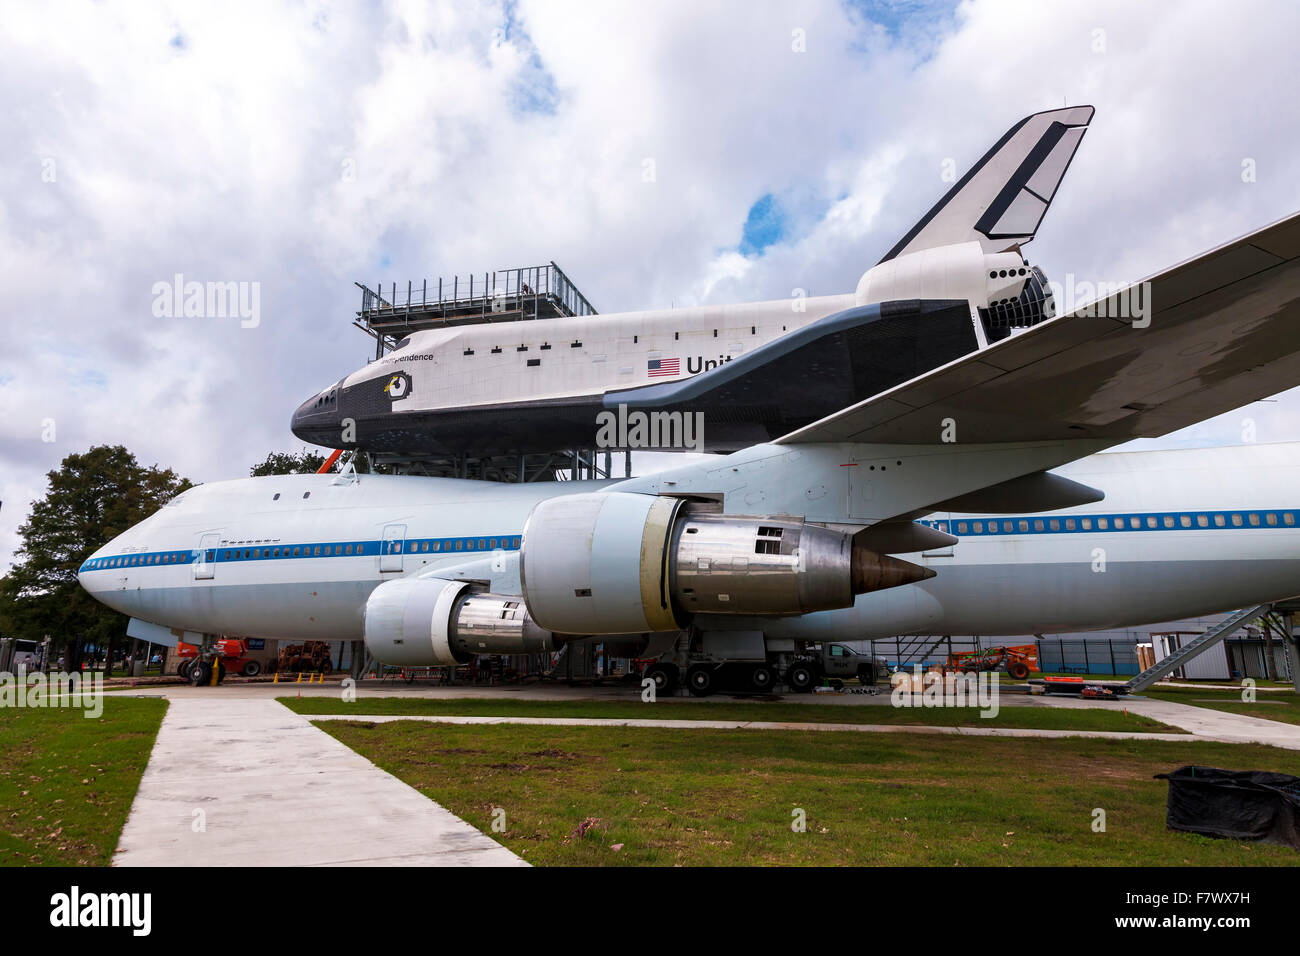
x,y
484,138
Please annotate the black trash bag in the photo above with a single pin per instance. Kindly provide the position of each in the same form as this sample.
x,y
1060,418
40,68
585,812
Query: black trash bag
x,y
1236,804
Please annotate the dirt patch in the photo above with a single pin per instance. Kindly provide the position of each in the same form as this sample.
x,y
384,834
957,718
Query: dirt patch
x,y
553,752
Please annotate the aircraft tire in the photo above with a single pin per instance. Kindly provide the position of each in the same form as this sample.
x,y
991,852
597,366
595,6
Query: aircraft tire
x,y
200,673
700,680
665,677
800,678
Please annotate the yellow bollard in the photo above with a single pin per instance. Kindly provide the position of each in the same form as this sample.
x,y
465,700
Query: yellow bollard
x,y
299,680
276,679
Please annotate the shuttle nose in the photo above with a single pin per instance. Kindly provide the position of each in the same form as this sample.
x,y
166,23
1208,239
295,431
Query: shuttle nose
x,y
318,421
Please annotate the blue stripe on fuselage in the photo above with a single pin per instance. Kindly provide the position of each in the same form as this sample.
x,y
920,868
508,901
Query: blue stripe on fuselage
x,y
230,552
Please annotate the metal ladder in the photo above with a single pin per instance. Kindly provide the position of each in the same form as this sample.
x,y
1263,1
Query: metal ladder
x,y
1197,647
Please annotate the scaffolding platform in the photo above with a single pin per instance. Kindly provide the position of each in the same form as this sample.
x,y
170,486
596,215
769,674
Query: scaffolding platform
x,y
507,295
531,293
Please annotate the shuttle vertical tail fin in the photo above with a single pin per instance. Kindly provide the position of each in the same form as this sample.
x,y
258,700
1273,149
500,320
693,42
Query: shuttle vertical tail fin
x,y
1002,199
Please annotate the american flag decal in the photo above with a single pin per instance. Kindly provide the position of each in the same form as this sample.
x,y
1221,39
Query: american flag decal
x,y
661,367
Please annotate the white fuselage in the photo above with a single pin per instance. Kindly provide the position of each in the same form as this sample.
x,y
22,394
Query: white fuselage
x,y
1181,533
486,364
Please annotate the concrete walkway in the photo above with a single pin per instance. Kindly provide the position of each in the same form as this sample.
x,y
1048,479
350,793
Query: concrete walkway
x,y
1218,725
975,731
273,790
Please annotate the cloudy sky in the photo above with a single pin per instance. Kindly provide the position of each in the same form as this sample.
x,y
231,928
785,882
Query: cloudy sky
x,y
306,146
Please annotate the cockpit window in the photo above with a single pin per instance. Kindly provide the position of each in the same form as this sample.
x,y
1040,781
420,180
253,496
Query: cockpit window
x,y
402,344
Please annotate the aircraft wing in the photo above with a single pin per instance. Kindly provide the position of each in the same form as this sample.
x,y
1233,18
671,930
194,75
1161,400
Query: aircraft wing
x,y
1003,198
1224,331
500,571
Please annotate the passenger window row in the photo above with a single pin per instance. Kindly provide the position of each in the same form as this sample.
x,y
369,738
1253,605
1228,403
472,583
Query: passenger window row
x,y
417,546
1150,522
135,560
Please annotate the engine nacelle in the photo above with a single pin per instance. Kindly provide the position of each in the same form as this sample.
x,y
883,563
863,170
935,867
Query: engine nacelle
x,y
597,563
613,563
422,622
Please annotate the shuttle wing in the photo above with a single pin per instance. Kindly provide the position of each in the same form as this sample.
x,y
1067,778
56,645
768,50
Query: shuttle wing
x,y
832,363
1224,330
1003,198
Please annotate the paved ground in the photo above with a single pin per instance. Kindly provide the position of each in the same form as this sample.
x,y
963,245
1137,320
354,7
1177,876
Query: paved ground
x,y
1219,725
535,691
1204,723
975,731
274,790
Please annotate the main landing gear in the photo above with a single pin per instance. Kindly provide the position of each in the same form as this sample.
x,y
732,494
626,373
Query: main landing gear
x,y
704,679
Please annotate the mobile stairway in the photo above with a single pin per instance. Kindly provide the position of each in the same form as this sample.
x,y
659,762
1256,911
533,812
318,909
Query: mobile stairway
x,y
1194,648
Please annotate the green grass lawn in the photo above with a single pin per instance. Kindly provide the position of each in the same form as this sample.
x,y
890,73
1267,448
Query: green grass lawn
x,y
67,781
718,797
1271,705
1035,718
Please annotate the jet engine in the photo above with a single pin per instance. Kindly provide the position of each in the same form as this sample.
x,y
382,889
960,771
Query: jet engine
x,y
616,563
430,621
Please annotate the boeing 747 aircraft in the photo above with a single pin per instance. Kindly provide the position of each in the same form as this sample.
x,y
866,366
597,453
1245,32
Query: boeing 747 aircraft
x,y
797,538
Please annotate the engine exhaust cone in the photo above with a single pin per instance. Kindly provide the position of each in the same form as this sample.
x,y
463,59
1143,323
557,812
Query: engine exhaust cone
x,y
875,572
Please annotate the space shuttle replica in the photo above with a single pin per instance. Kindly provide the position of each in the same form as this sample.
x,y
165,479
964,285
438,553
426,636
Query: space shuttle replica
x,y
917,457
956,283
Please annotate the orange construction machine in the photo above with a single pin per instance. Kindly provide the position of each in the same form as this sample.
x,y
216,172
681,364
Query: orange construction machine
x,y
232,652
307,657
1020,659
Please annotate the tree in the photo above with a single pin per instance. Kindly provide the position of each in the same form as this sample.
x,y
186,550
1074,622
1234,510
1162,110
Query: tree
x,y
308,462
92,498
305,462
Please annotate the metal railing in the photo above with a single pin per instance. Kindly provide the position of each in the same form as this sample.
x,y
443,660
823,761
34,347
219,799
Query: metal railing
x,y
502,290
